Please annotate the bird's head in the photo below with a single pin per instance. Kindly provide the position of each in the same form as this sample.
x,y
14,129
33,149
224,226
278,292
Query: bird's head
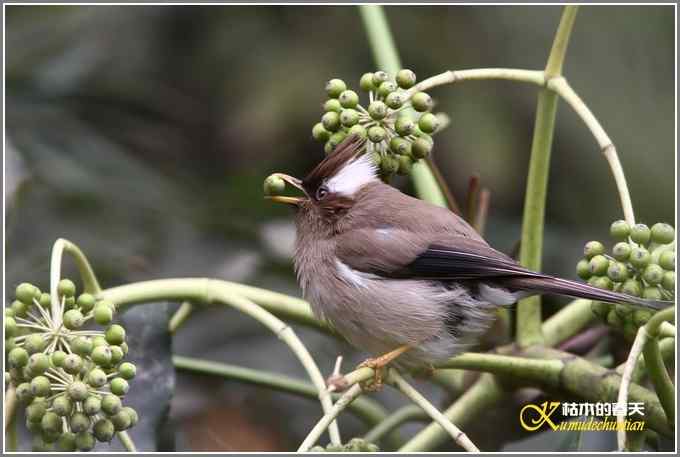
x,y
332,187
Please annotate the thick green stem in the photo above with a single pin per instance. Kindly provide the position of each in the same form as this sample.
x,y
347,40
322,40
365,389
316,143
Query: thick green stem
x,y
368,410
529,309
663,384
386,57
127,441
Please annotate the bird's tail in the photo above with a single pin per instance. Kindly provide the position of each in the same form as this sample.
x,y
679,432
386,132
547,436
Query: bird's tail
x,y
558,286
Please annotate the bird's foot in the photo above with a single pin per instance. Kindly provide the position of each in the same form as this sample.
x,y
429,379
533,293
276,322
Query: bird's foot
x,y
378,365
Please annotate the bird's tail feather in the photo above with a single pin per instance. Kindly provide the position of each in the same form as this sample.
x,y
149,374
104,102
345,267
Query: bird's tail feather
x,y
558,286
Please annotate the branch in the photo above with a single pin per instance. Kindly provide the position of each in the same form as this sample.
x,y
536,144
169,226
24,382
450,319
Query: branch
x,y
368,410
180,316
415,396
329,417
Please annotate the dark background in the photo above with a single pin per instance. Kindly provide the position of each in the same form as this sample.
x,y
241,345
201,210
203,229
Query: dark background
x,y
143,134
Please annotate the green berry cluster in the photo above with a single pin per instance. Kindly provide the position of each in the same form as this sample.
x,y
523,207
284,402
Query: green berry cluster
x,y
353,445
397,123
641,263
70,378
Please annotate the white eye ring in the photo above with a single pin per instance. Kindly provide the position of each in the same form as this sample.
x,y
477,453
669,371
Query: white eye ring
x,y
321,193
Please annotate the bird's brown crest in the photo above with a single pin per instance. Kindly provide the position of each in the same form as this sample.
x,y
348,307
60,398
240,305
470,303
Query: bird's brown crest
x,y
333,163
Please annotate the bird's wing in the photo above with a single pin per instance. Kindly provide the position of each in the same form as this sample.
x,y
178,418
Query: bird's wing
x,y
393,253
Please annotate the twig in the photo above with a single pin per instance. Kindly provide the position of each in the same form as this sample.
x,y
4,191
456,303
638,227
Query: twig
x,y
329,417
415,396
126,441
482,211
471,199
622,399
180,316
446,190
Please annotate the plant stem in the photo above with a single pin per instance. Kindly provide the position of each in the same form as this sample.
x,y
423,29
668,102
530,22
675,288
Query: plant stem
x,y
368,410
533,221
10,405
658,374
329,417
180,316
567,322
415,396
385,55
402,415
127,441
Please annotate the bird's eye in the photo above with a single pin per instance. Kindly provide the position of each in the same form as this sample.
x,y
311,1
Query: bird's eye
x,y
321,193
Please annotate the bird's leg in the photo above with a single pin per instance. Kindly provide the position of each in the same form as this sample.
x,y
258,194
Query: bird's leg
x,y
378,364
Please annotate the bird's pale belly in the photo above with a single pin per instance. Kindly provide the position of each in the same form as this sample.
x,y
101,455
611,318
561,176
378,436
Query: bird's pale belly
x,y
378,315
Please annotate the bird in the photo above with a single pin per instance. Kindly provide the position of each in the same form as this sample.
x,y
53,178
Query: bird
x,y
402,279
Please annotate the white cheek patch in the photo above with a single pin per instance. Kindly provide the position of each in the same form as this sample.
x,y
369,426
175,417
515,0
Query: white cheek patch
x,y
353,176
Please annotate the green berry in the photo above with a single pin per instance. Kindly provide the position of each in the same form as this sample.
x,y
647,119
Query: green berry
x,y
38,363
79,422
38,444
331,121
631,287
9,312
45,300
127,370
667,260
583,269
336,139
34,343
86,302
603,282
273,185
18,357
319,133
614,319
92,405
73,363
641,316
405,164
593,248
73,319
96,377
639,257
640,233
69,302
85,441
662,233
623,310
394,100
349,117
617,271
421,148
598,265
428,123
62,405
386,88
124,347
404,126
11,328
400,146
10,343
36,410
50,422
66,287
621,251
101,355
358,130
67,442
134,417
57,358
119,386
379,77
653,274
19,308
652,293
103,314
619,230
366,82
377,110
77,390
405,78
332,105
116,354
34,427
26,292
348,99
335,87
421,101
389,165
103,430
121,421
668,281
23,392
99,340
111,404
600,309
376,134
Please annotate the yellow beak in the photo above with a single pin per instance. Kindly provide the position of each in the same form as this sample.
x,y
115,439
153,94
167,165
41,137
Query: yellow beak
x,y
289,200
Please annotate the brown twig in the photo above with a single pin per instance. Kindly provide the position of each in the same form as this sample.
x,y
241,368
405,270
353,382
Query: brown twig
x,y
482,211
450,199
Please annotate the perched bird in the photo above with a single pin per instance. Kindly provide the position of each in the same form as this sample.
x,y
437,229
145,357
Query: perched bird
x,y
398,276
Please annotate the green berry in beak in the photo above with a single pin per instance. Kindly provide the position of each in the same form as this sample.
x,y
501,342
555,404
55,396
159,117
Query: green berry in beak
x,y
274,185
